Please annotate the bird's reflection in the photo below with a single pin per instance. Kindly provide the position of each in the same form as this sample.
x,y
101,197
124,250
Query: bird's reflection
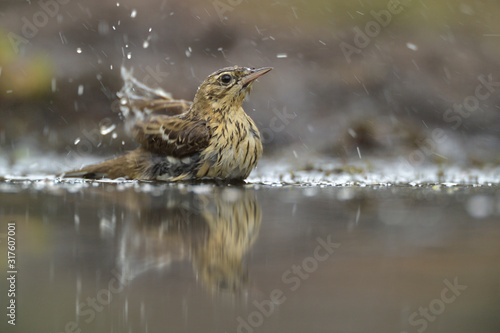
x,y
212,227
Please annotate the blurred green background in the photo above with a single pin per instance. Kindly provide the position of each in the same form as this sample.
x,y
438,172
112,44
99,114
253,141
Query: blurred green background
x,y
392,97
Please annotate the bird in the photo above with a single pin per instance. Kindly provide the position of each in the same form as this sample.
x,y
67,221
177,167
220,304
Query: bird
x,y
209,138
213,230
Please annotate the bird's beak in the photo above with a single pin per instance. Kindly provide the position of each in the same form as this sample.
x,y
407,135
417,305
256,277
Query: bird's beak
x,y
254,74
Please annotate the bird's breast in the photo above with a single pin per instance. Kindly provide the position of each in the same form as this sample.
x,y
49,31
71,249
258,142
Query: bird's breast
x,y
233,152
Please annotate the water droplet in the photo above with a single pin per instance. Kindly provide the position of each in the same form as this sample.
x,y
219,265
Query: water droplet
x,y
78,50
80,90
281,55
129,55
117,4
412,46
63,38
105,130
145,44
133,14
221,50
77,141
114,135
480,206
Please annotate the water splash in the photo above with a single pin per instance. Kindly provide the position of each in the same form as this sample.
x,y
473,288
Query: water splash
x,y
105,130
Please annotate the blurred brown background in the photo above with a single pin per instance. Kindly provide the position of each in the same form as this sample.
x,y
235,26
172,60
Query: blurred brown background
x,y
381,77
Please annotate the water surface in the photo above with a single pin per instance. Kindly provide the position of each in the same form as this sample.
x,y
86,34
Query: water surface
x,y
147,257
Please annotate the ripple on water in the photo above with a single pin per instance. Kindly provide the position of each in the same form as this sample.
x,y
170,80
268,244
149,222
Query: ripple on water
x,y
279,173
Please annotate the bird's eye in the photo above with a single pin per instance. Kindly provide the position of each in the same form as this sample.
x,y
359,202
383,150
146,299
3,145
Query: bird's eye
x,y
225,79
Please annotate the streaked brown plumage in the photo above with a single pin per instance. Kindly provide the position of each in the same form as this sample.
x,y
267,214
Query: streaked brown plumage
x,y
212,137
214,230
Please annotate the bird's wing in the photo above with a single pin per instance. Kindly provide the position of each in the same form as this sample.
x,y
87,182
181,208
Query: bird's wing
x,y
159,105
171,136
137,101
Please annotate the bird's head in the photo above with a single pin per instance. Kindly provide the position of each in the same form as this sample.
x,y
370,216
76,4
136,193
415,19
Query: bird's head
x,y
227,87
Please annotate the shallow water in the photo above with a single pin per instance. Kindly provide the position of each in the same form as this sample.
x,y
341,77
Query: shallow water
x,y
113,256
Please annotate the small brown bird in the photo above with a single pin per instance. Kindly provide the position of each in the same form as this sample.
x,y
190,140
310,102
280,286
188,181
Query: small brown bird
x,y
212,137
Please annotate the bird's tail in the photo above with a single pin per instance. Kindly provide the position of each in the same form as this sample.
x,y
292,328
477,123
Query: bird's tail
x,y
112,168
